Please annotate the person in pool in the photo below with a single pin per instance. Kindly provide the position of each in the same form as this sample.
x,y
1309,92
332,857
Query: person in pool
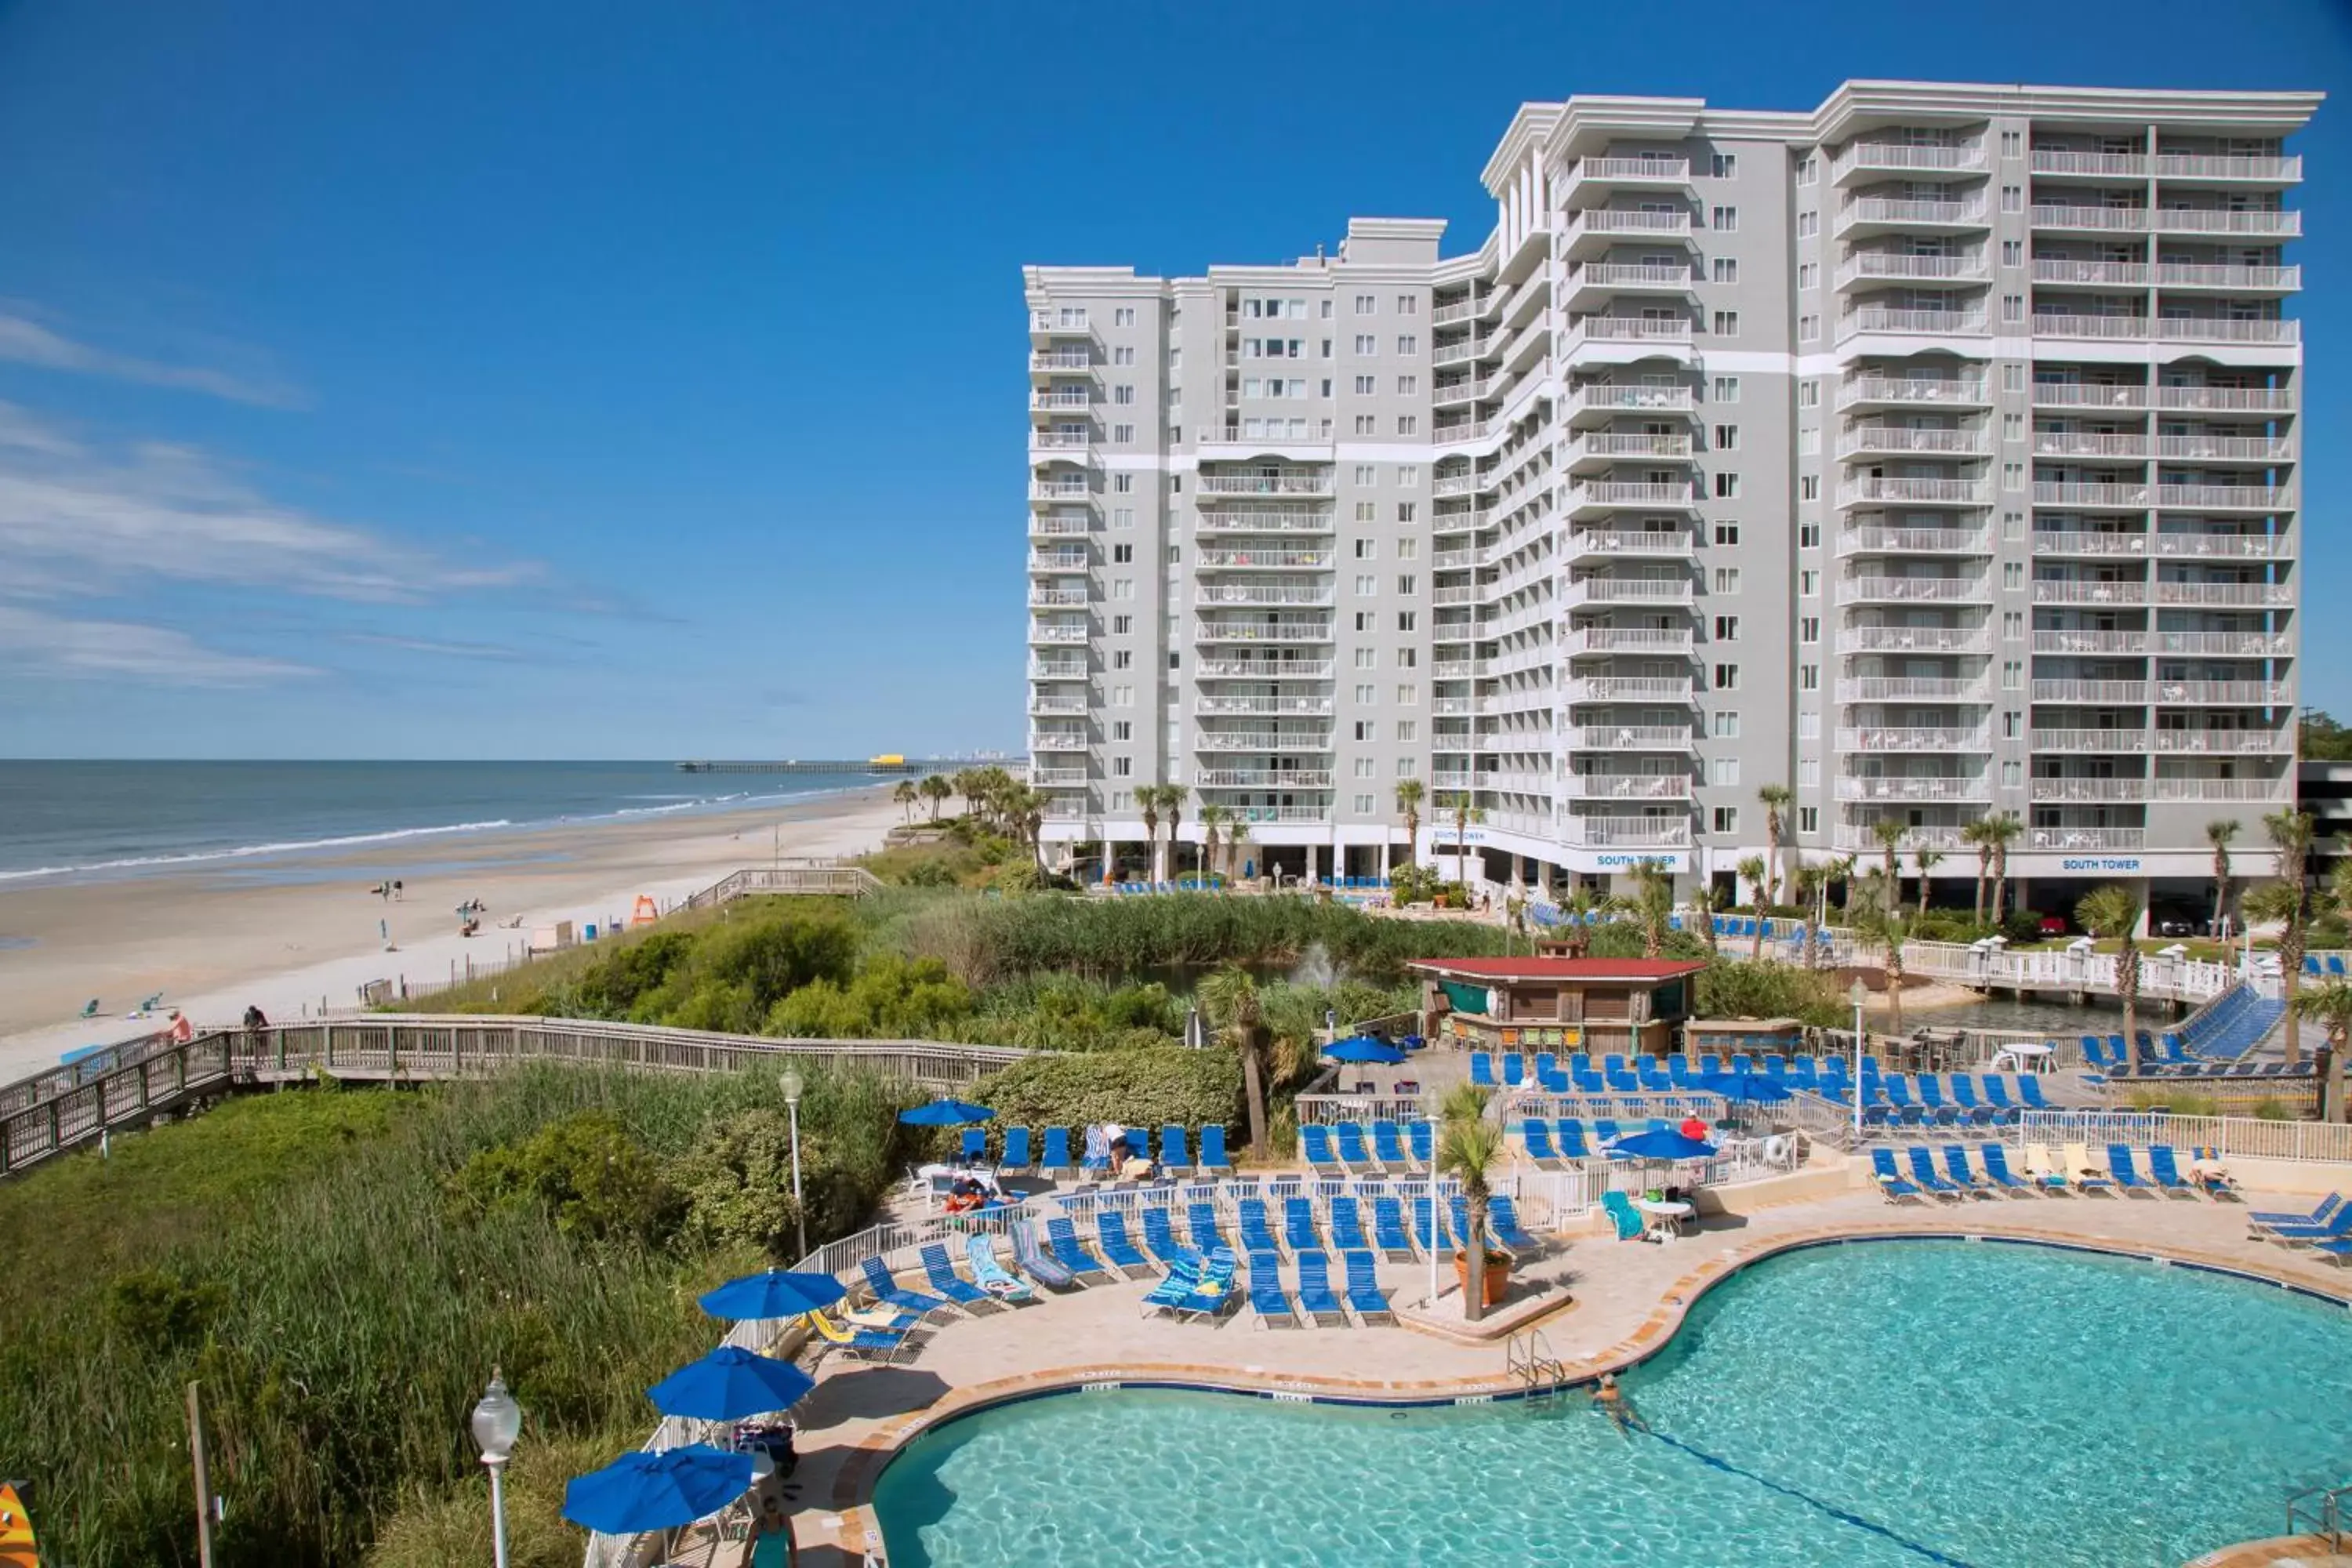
x,y
1610,1401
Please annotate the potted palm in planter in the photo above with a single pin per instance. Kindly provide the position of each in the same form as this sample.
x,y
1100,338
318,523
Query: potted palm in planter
x,y
1468,1147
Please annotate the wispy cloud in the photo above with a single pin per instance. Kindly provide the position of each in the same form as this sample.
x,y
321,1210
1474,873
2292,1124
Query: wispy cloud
x,y
59,646
429,645
28,341
75,520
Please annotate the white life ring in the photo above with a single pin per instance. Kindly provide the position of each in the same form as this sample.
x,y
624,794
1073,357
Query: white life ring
x,y
1776,1150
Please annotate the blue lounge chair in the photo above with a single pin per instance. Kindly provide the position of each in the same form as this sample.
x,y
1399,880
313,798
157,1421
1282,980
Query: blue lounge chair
x,y
1631,1225
1174,1157
2335,969
1890,1181
2164,1170
1503,1219
1195,1292
1214,1162
1315,1296
1421,1138
1256,1233
1017,1161
1482,1067
1315,1142
2338,1224
1355,1149
939,1271
1956,1167
980,1251
2095,1054
1159,1237
859,1344
1061,1243
889,1291
2127,1176
1268,1299
1423,1217
1387,1229
1033,1261
1364,1292
1057,1163
973,1146
1347,1225
1112,1240
2311,966
1997,1171
1568,1135
1605,1133
1995,1088
1388,1146
1923,1171
1200,1220
2319,1216
2029,1090
1299,1231
1538,1137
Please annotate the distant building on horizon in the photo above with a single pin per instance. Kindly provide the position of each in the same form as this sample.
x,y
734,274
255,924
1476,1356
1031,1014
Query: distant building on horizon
x,y
1932,453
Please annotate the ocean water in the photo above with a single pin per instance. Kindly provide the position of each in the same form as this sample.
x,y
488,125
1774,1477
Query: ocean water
x,y
1972,1405
80,820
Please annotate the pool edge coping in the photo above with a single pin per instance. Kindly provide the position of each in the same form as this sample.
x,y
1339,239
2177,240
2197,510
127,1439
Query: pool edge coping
x,y
863,1466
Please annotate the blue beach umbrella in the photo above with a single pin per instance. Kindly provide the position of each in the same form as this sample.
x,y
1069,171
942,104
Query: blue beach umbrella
x,y
1662,1145
1743,1086
945,1114
1364,1049
778,1293
642,1492
730,1383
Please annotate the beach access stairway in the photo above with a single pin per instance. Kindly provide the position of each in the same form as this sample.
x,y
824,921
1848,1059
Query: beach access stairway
x,y
810,876
73,1107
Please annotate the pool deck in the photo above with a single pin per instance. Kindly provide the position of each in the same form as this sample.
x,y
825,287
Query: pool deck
x,y
1622,1302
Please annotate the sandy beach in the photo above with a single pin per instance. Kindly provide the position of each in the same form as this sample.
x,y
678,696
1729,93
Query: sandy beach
x,y
214,942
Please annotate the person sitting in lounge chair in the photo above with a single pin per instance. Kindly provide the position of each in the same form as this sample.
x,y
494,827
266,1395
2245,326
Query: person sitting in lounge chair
x,y
1610,1401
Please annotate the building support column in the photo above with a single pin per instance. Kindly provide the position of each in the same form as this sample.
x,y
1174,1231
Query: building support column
x,y
1314,863
1387,846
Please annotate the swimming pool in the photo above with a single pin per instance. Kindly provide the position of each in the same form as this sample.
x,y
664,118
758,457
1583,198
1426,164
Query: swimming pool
x,y
1947,1402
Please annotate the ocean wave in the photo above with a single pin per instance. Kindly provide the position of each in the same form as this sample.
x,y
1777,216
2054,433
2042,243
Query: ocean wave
x,y
246,851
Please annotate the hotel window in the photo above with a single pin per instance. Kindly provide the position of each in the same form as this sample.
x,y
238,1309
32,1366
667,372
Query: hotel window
x,y
2012,198
1408,696
1726,677
1809,223
1408,306
2012,307
1406,620
1367,344
1726,324
1809,628
1175,360
1364,619
1122,730
1363,767
2013,253
1368,425
1408,549
1727,533
1122,432
1122,553
1724,270
1124,316
1407,658
1726,438
1367,549
1366,386
1408,344
2013,144
1726,579
1808,170
1366,585
1122,658
1408,386
1809,536
1364,802
1809,487
1726,819
1364,512
2013,476
1809,443
1409,476
1405,510
2012,774
2013,626
1406,767
1366,304
1367,695
1122,484
1727,166
1122,355
1809,677
1809,584
2012,426
1725,219
1808,819
2012,378
1366,657
1363,728
1809,328
1727,726
1406,584
1809,771
1726,487
1408,424
1408,730
2012,725
1726,389
1122,767
1121,625
1808,395
1808,274
1122,587
1327,316
1366,474
1122,394
2012,574
1122,696
1074,316
1727,628
2012,674
1723,771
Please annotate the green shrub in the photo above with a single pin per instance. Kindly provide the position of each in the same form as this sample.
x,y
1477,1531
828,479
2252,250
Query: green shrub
x,y
1730,988
1146,1087
585,1170
890,998
2021,925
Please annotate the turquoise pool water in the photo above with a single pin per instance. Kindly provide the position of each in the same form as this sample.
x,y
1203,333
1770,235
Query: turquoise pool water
x,y
1955,1402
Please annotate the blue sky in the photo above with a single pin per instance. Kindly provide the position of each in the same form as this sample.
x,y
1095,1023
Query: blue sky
x,y
544,379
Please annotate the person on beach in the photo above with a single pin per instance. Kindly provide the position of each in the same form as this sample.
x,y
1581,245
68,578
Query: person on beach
x,y
1610,1401
182,1031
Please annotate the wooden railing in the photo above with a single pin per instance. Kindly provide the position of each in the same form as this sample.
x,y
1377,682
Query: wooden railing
x,y
56,1113
2237,1137
2160,979
814,877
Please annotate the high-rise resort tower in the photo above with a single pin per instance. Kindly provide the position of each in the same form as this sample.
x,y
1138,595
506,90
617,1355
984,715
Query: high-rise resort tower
x,y
1932,453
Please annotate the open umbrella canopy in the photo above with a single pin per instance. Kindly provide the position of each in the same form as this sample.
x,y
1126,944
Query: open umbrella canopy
x,y
945,1114
1662,1145
1744,1086
642,1492
778,1293
730,1383
1363,1049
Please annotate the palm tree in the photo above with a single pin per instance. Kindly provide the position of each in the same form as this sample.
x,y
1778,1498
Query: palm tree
x,y
1777,799
1173,797
1409,796
2001,829
1705,903
1229,997
1469,1147
1757,872
2115,910
1238,834
905,795
965,782
1890,834
1839,869
1212,817
1147,801
1926,861
1025,813
1974,836
1575,917
2218,833
2331,1005
1885,926
1653,904
2290,835
1464,814
1808,883
935,789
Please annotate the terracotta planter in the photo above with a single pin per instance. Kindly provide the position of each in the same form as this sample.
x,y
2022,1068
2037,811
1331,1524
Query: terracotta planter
x,y
1498,1276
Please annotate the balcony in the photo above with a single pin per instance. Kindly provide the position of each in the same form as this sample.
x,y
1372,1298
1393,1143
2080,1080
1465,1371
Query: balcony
x,y
2101,741
1264,484
2228,595
1590,450
1056,633
1263,778
1592,282
1271,742
2091,165
2225,693
2258,400
1051,527
1638,591
1857,838
2225,742
1911,392
1873,540
1592,179
1462,352
2108,495
1061,362
1914,590
1463,389
1915,491
2088,217
1263,669
2283,225
2082,443
1064,321
2225,645
1058,740
2068,541
1049,777
2088,394
1932,738
1870,213
1057,706
1913,639
1063,399
2225,329
1210,631
1915,788
1911,160
1597,402
1586,545
1930,323
2226,498
1631,688
2081,591
2086,792
2236,280
1279,814
1598,498
1628,737
1464,430
1058,561
1059,598
1635,833
1872,437
2085,642
1629,787
1264,707
1268,522
2069,839
1060,491
2067,270
2222,791
1462,309
1973,690
2115,693
2266,171
2108,327
1645,334
1896,266
1594,231
1585,640
1272,558
1059,669
1259,594
2224,449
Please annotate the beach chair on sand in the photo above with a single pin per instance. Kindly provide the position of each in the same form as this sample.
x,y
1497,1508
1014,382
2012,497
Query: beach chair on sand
x,y
1111,1239
1315,1296
1017,1161
1057,1163
2042,1168
1891,1182
887,1290
1214,1161
1268,1299
2127,1176
1364,1292
1997,1171
938,1270
1388,1231
2083,1171
980,1251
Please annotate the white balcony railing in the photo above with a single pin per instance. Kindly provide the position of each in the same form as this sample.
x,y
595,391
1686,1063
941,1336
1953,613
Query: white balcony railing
x,y
1263,707
1263,669
1625,832
1937,323
2209,447
1257,521
1639,223
1630,330
1906,211
1631,688
1263,778
2227,595
2226,399
1913,738
2085,216
1060,527
1971,689
2225,329
1272,558
1625,640
2220,275
2083,271
2282,224
2087,444
2264,169
2224,546
1208,630
1629,787
2082,591
1632,493
1633,276
1896,266
1276,742
1628,738
2218,790
2223,693
1875,438
2238,497
2070,541
1258,594
1317,484
2224,644
1957,390
2099,742
1956,157
1914,590
1874,540
1628,591
1915,787
2086,838
2125,693
2054,325
2091,493
2087,394
2102,165
1948,492
2225,742
1913,639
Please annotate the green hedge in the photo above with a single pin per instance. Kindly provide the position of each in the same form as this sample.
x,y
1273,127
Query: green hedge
x,y
1147,1088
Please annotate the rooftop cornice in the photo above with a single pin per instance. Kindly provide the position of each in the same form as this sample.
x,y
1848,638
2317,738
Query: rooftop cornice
x,y
1530,127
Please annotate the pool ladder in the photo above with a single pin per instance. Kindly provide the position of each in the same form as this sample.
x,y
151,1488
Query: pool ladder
x,y
2319,1512
1527,1357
